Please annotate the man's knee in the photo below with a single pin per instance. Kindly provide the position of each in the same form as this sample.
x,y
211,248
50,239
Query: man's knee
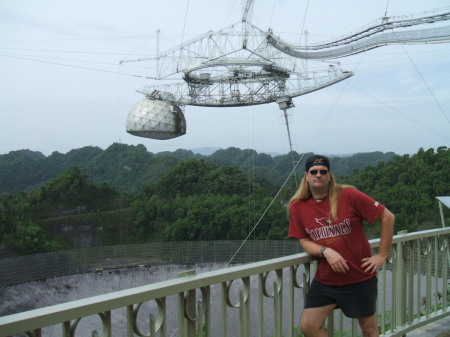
x,y
309,328
370,332
369,327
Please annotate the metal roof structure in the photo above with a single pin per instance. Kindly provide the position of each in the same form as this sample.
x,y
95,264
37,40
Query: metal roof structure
x,y
446,202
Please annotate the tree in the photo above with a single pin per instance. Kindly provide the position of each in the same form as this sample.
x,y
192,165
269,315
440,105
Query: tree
x,y
408,186
201,201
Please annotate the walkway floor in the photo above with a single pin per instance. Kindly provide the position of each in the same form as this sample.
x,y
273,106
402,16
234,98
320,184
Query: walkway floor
x,y
440,328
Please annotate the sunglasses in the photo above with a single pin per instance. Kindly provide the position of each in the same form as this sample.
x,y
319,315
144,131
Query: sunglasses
x,y
322,172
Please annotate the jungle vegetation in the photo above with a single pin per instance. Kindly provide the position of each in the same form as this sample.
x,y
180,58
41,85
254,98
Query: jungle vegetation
x,y
125,194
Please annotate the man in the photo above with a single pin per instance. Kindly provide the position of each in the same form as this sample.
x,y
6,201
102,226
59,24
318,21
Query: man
x,y
327,218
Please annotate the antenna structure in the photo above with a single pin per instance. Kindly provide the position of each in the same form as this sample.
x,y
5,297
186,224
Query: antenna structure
x,y
242,65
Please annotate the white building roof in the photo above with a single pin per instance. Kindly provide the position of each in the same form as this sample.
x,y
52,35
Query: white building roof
x,y
444,200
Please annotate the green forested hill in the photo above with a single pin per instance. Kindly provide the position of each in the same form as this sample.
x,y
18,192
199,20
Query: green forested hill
x,y
125,194
408,185
24,216
194,200
130,168
202,201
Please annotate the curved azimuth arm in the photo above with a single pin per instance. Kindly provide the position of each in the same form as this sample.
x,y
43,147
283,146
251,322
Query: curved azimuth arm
x,y
385,31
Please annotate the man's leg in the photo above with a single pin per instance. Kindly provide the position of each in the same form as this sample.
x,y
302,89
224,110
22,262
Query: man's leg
x,y
312,319
369,326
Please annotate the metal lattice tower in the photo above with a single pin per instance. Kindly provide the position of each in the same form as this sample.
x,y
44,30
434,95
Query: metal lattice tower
x,y
242,65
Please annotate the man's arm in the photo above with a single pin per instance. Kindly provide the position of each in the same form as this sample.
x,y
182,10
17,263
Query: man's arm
x,y
387,221
336,261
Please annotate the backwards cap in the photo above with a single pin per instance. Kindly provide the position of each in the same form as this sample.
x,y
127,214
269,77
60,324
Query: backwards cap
x,y
316,160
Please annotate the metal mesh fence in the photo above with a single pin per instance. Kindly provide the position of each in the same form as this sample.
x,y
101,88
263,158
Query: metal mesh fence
x,y
29,268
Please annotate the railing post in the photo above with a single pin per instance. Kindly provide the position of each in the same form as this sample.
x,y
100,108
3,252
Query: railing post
x,y
67,331
244,308
130,321
223,310
186,303
278,303
441,212
291,288
400,284
260,310
190,302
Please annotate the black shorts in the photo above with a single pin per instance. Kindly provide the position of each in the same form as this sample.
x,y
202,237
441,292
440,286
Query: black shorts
x,y
355,300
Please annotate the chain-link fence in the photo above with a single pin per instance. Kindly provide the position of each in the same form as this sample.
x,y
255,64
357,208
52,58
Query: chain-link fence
x,y
29,268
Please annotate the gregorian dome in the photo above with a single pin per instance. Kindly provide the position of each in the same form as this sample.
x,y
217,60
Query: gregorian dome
x,y
152,118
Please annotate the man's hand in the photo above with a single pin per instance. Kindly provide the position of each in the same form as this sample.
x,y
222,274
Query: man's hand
x,y
373,263
336,261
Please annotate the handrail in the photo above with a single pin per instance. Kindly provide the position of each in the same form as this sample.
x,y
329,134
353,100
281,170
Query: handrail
x,y
417,267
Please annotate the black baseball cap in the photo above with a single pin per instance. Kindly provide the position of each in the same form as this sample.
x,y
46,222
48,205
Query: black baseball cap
x,y
316,160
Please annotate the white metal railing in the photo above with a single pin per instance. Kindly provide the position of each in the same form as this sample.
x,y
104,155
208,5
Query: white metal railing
x,y
256,299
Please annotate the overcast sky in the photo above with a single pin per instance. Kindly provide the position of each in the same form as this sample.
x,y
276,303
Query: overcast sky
x,y
62,88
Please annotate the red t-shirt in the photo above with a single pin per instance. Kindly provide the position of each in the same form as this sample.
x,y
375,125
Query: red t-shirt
x,y
311,219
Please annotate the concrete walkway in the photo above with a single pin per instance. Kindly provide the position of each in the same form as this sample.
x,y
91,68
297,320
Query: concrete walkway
x,y
440,328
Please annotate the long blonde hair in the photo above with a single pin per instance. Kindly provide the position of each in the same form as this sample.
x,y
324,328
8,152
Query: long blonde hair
x,y
334,191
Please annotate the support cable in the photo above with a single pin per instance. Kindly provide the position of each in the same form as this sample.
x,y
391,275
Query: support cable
x,y
265,211
387,5
271,15
293,170
73,66
286,118
182,35
303,24
400,113
426,84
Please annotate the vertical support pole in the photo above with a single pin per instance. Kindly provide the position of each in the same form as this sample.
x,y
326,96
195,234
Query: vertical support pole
x,y
277,313
190,302
130,321
260,305
224,308
419,277
400,281
445,263
306,280
66,329
436,274
410,283
186,302
208,312
107,327
428,279
200,322
244,307
181,320
242,316
162,313
285,103
441,212
290,143
291,301
287,128
384,297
